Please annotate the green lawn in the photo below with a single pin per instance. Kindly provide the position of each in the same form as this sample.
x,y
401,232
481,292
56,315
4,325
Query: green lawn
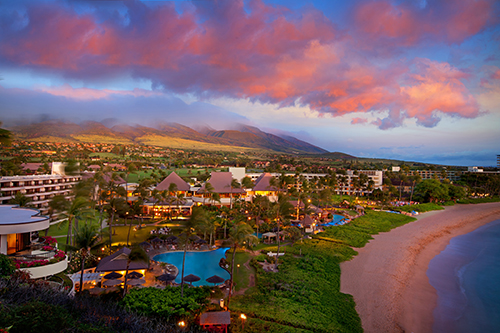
x,y
241,274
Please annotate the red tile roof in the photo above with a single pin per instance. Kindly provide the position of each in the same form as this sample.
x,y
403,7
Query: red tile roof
x,y
175,179
221,182
262,183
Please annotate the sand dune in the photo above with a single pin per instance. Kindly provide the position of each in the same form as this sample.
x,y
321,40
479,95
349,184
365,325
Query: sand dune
x,y
388,277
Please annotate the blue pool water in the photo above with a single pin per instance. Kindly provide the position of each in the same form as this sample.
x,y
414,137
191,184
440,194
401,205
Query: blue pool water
x,y
466,276
337,220
203,264
258,235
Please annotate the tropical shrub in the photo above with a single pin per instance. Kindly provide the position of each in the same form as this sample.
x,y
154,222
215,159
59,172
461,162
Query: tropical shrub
x,y
7,267
167,303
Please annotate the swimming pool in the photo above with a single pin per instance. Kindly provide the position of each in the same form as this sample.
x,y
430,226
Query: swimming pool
x,y
203,264
337,220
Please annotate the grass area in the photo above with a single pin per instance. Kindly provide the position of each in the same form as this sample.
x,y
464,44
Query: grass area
x,y
241,274
305,294
258,325
478,200
421,208
360,231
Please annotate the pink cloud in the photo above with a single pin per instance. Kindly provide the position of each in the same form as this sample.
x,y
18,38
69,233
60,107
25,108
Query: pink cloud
x,y
385,24
93,94
261,52
359,121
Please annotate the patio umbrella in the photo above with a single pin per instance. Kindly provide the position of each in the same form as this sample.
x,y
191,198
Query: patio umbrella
x,y
194,237
156,240
166,277
200,241
145,244
96,290
112,275
134,275
191,278
135,282
215,279
171,239
111,283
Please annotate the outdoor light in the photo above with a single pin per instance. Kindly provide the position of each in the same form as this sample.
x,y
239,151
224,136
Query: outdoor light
x,y
102,249
182,324
243,318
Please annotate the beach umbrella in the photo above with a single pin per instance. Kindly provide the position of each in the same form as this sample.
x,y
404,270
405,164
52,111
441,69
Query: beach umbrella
x,y
215,279
166,277
134,275
191,278
112,275
111,283
135,282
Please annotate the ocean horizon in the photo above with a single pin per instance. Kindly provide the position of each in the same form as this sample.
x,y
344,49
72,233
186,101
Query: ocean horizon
x,y
466,276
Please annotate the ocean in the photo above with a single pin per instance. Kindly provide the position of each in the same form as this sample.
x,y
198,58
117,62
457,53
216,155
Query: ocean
x,y
466,276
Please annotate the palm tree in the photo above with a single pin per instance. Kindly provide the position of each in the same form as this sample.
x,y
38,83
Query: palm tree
x,y
114,205
261,204
198,216
239,234
208,189
234,184
75,210
137,254
86,239
283,209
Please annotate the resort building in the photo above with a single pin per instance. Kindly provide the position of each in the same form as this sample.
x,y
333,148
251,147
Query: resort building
x,y
221,183
19,238
39,188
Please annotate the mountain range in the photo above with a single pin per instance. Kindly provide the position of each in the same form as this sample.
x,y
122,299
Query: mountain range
x,y
172,135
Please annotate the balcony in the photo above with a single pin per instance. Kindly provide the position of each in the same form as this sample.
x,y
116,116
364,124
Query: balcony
x,y
41,263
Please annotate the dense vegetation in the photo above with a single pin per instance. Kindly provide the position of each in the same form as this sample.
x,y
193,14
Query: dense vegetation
x,y
32,306
304,294
167,303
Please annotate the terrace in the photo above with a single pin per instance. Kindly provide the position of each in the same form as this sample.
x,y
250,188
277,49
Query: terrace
x,y
18,239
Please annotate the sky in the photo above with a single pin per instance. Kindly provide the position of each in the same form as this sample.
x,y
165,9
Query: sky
x,y
416,80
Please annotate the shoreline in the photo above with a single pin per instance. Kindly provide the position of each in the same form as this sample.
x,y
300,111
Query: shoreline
x,y
388,277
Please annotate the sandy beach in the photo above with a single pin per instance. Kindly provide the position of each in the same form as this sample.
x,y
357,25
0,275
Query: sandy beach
x,y
388,277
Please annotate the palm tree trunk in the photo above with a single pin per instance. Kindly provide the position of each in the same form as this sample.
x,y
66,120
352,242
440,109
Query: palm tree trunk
x,y
111,231
183,264
277,254
232,274
125,284
84,256
70,226
128,235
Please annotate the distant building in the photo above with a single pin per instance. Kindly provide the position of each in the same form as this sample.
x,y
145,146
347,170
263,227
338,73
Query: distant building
x,y
39,188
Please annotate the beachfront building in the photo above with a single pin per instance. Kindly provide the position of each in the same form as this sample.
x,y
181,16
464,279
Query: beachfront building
x,y
19,239
39,188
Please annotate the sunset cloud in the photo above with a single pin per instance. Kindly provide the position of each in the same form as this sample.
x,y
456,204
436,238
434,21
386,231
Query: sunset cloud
x,y
256,51
408,23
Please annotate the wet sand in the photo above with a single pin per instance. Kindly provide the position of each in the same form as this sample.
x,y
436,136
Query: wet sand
x,y
388,277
